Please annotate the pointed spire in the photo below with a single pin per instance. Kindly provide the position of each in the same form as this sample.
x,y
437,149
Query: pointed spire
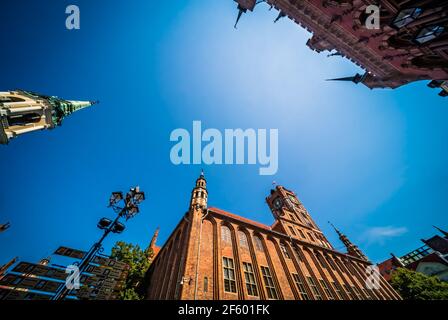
x,y
334,54
442,231
4,227
357,78
240,13
281,14
154,238
7,266
352,249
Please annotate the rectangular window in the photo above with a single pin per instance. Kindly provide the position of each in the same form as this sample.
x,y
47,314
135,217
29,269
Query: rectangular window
x,y
269,283
326,289
349,292
292,230
367,294
314,289
357,293
330,262
296,250
321,260
229,275
205,284
292,217
338,292
300,287
251,285
285,251
311,236
302,234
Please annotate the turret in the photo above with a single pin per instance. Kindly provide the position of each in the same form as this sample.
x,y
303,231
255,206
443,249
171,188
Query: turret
x,y
199,195
352,249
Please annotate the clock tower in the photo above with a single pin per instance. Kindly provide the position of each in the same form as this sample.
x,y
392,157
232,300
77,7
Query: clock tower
x,y
293,219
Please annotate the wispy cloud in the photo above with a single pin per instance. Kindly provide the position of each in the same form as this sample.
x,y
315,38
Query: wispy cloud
x,y
381,234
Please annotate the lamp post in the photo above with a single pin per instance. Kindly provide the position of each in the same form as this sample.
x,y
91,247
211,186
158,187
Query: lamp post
x,y
125,207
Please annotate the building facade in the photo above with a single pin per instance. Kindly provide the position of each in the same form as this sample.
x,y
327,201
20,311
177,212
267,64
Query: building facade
x,y
23,112
430,259
216,255
409,44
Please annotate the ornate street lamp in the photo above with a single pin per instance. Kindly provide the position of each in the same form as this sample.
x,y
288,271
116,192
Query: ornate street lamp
x,y
125,207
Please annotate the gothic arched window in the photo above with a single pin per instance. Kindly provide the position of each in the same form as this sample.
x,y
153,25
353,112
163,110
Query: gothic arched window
x,y
243,239
258,243
226,236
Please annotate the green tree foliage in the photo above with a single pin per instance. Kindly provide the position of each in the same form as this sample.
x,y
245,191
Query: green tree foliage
x,y
413,285
138,261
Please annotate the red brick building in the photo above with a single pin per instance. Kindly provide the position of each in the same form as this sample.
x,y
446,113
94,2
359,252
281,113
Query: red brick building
x,y
213,254
410,44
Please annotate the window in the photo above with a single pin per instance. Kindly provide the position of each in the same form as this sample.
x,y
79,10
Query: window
x,y
331,263
321,260
229,275
258,244
349,267
302,234
337,290
311,236
314,289
243,239
406,16
251,285
269,283
300,287
367,294
226,236
349,292
292,217
205,284
291,229
338,262
326,289
356,291
429,33
297,252
285,250
40,284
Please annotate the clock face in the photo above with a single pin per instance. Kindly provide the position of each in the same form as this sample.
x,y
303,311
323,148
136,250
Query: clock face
x,y
278,203
294,199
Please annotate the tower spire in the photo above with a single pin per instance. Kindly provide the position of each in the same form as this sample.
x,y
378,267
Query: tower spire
x,y
352,249
151,249
199,195
154,239
241,10
442,231
4,227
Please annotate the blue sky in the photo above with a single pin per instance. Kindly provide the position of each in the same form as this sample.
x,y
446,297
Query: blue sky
x,y
372,162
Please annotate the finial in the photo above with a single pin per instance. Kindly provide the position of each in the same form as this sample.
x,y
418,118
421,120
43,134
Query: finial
x,y
334,54
442,231
4,227
335,229
357,78
202,173
240,13
280,15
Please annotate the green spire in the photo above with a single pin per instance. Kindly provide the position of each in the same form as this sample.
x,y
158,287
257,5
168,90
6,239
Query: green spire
x,y
64,108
